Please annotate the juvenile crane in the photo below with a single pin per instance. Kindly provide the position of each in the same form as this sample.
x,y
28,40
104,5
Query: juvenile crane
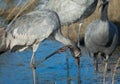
x,y
29,30
70,11
101,37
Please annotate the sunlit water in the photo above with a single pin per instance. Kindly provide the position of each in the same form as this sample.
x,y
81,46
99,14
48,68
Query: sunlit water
x,y
15,67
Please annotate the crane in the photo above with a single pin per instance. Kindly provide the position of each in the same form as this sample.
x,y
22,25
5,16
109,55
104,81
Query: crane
x,y
29,30
101,37
70,11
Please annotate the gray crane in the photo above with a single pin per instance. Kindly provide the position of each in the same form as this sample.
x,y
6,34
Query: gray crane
x,y
101,37
70,11
29,30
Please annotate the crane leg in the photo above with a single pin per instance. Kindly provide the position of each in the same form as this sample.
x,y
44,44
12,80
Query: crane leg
x,y
96,62
32,63
33,66
105,69
67,36
78,35
78,67
68,73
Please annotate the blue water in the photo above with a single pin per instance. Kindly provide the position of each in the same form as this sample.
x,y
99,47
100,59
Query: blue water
x,y
15,68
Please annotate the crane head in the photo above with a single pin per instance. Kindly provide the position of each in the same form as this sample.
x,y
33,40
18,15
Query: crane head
x,y
75,53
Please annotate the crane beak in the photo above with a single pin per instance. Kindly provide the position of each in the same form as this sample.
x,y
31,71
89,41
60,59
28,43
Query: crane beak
x,y
76,54
77,59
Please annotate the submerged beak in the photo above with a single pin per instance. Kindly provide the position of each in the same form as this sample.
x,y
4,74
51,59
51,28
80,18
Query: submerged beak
x,y
76,54
77,59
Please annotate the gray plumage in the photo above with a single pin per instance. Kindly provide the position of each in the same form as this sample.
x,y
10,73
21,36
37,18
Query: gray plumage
x,y
33,27
101,37
29,30
69,11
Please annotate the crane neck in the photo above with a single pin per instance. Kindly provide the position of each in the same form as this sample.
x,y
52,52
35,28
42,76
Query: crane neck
x,y
67,42
59,37
104,12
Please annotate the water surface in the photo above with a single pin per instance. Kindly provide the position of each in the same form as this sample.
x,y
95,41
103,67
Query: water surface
x,y
15,67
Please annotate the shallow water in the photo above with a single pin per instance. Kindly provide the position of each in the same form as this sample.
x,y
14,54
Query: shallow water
x,y
15,69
